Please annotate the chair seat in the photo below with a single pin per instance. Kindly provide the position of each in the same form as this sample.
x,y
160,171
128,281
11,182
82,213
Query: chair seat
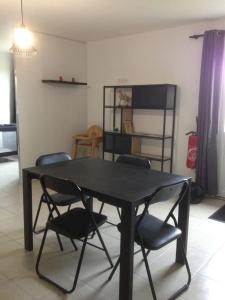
x,y
76,223
154,233
62,200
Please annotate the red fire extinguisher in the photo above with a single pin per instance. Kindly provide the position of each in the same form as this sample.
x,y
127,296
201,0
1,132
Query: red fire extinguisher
x,y
192,150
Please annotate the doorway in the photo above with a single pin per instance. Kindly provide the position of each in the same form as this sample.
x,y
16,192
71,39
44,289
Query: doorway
x,y
8,125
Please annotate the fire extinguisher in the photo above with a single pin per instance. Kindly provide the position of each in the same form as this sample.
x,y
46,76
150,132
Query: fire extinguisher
x,y
192,150
197,193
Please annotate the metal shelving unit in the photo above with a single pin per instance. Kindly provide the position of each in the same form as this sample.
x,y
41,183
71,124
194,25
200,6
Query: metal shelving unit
x,y
161,97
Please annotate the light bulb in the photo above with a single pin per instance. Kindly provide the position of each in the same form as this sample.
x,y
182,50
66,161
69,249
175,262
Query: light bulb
x,y
23,37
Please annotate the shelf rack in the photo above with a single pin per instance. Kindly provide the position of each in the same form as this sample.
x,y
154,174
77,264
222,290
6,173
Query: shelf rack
x,y
147,97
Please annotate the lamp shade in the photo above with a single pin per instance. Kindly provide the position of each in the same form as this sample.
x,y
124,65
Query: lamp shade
x,y
23,42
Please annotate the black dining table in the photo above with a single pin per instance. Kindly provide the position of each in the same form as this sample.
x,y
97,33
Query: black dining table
x,y
121,185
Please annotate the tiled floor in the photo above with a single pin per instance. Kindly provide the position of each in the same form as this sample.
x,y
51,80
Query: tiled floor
x,y
18,280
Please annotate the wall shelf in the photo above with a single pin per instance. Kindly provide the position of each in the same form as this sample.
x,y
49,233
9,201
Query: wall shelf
x,y
63,82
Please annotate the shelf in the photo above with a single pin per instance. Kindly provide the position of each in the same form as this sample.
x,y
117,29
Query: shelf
x,y
130,107
118,106
63,82
138,85
146,155
152,156
141,134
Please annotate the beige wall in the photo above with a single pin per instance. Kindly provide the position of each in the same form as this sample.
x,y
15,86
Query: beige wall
x,y
49,115
164,56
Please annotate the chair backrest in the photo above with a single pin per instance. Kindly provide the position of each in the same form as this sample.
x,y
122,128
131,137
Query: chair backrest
x,y
59,185
94,131
52,158
134,160
175,191
65,187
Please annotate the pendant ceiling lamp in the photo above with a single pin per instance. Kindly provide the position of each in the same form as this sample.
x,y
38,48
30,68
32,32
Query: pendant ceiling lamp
x,y
23,39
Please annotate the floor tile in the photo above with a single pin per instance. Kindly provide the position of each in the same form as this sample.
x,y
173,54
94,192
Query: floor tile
x,y
18,279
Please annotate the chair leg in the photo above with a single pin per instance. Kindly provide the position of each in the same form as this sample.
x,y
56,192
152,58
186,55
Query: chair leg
x,y
75,149
104,247
186,262
40,251
50,217
101,208
136,210
117,264
74,245
186,286
57,211
77,270
36,218
92,235
51,210
114,269
119,214
148,273
78,266
92,151
118,211
59,241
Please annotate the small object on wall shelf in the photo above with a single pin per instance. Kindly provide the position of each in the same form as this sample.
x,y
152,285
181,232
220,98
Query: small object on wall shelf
x,y
63,82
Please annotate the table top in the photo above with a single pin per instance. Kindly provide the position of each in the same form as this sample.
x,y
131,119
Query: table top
x,y
118,182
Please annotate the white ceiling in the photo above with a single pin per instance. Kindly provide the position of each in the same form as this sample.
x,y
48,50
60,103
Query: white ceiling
x,y
87,20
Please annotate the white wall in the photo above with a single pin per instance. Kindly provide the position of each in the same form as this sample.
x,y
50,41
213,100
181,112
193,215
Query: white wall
x,y
49,115
163,56
5,66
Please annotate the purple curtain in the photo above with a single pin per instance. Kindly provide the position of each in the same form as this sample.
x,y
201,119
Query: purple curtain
x,y
208,108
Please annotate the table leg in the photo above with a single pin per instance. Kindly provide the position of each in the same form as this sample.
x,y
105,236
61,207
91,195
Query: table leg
x,y
90,203
183,223
27,211
126,252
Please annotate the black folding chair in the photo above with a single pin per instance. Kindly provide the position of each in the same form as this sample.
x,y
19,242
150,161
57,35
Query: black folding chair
x,y
77,223
130,160
152,233
57,198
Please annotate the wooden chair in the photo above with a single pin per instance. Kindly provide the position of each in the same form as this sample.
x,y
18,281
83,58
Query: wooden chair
x,y
91,140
